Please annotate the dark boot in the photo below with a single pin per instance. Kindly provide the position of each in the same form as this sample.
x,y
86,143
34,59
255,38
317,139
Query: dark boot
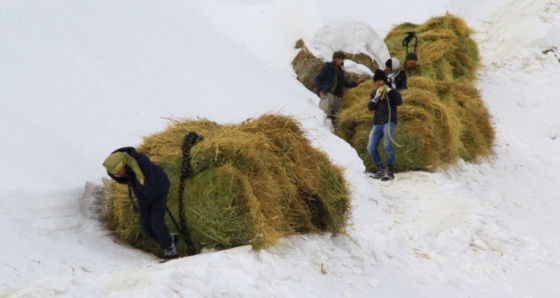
x,y
379,173
170,253
388,174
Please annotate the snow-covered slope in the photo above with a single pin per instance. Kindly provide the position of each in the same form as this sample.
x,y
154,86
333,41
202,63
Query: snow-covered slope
x,y
79,79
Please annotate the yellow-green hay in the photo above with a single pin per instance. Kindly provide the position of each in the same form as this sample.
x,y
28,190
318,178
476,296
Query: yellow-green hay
x,y
442,117
253,183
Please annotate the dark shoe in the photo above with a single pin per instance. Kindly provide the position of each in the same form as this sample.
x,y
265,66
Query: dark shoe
x,y
388,174
380,173
170,253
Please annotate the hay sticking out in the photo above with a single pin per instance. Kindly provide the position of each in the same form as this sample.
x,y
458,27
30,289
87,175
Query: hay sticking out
x,y
442,117
253,183
445,48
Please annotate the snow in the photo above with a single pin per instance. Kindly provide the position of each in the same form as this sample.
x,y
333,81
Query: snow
x,y
79,79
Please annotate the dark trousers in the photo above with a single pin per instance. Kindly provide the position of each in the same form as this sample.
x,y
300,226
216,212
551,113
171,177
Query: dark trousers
x,y
152,221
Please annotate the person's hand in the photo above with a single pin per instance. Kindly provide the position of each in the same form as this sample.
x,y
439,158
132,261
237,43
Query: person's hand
x,y
382,90
379,92
320,93
375,99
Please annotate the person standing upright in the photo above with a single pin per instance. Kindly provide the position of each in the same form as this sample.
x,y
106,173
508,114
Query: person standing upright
x,y
330,84
384,101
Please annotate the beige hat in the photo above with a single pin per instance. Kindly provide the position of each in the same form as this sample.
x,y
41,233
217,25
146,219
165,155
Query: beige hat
x,y
114,162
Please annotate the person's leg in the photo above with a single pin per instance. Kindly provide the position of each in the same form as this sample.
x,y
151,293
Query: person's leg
x,y
388,146
336,109
157,222
388,142
374,138
325,104
144,215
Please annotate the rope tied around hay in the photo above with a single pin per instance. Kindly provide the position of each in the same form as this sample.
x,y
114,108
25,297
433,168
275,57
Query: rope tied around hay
x,y
186,171
406,41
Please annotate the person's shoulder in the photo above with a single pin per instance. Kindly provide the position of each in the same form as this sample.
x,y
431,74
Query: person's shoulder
x,y
126,150
394,91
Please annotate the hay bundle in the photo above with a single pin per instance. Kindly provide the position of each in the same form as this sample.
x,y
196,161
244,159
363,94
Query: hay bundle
x,y
253,183
442,117
426,129
445,48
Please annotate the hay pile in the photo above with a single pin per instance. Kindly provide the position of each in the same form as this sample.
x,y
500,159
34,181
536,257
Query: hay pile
x,y
442,117
253,183
445,48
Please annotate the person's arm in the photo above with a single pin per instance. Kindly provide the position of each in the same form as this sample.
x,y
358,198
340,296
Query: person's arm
x,y
374,99
395,97
319,79
349,84
145,166
121,180
401,81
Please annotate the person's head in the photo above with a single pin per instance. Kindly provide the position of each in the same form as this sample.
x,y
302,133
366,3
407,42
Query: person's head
x,y
392,64
410,61
379,78
338,58
115,164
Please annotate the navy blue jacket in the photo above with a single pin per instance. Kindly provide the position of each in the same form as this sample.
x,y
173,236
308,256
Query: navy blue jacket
x,y
381,115
156,182
328,78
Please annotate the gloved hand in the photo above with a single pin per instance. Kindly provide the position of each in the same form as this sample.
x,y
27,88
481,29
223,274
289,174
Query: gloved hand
x,y
382,90
379,92
375,99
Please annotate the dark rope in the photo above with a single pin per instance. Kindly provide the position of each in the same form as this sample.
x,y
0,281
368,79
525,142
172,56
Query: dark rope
x,y
173,218
406,41
186,171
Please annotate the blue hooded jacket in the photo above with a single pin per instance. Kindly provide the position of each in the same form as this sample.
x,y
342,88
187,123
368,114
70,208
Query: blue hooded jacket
x,y
156,182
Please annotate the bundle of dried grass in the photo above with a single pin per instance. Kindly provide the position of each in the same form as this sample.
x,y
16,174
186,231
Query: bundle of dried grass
x,y
445,48
442,117
253,183
426,130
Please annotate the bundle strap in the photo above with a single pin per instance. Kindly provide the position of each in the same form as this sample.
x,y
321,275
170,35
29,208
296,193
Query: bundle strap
x,y
411,36
186,171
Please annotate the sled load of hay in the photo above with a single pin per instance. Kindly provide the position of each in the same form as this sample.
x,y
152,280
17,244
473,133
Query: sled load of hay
x,y
249,184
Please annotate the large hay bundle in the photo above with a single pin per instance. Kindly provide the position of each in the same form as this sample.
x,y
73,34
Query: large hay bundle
x,y
442,117
253,183
445,48
426,130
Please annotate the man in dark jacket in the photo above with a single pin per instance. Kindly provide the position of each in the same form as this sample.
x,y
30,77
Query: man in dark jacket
x,y
150,185
384,100
330,84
